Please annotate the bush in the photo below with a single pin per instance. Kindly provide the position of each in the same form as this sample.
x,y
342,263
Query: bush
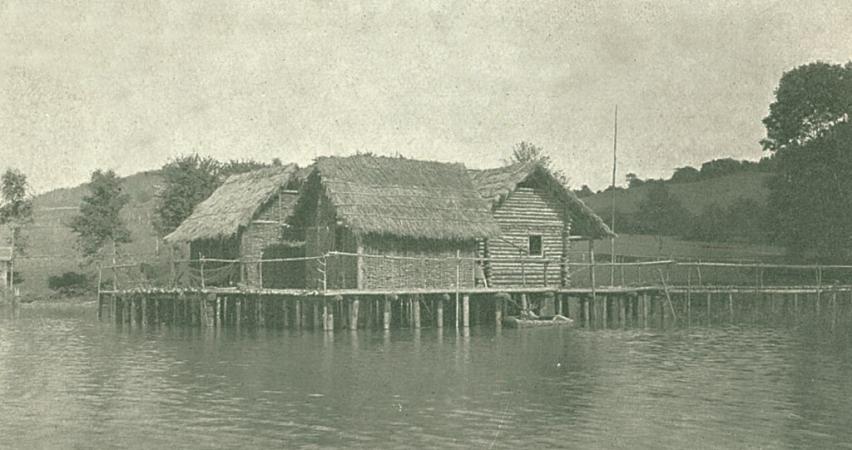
x,y
70,283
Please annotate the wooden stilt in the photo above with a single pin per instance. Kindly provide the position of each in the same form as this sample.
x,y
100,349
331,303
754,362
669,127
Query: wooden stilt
x,y
604,310
353,314
439,315
645,308
316,316
144,314
622,315
416,308
238,309
386,313
731,306
586,314
709,318
498,310
466,311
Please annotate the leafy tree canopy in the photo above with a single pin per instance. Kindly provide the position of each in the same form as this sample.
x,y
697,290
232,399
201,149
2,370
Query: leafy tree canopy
x,y
98,222
662,214
187,181
809,101
17,207
809,133
528,152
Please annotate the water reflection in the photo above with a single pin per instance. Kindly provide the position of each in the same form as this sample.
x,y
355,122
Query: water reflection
x,y
71,381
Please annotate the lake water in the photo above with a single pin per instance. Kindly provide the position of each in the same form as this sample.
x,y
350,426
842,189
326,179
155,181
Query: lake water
x,y
68,381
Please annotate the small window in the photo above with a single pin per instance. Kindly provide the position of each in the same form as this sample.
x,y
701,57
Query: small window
x,y
535,246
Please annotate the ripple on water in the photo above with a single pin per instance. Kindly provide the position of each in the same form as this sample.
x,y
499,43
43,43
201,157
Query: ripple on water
x,y
71,381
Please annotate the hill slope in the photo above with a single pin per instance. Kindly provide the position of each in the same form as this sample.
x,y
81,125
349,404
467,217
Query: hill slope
x,y
51,246
695,196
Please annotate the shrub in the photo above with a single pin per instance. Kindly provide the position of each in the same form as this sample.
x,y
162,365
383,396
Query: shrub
x,y
69,283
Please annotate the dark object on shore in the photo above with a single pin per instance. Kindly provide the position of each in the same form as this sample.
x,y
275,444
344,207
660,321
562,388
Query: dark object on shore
x,y
544,321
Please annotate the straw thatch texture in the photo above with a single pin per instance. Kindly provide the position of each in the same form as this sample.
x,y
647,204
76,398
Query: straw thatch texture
x,y
404,197
494,185
233,205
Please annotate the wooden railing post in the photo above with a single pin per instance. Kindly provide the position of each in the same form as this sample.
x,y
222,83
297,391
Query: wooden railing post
x,y
201,269
325,273
100,306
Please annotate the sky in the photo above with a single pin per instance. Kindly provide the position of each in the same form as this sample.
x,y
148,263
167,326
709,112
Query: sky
x,y
128,85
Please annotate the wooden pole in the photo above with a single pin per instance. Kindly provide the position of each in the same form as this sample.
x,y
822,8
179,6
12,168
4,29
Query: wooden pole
x,y
439,316
100,303
498,310
586,314
622,316
645,308
201,269
708,307
731,305
353,314
416,306
316,316
612,224
466,311
592,267
386,313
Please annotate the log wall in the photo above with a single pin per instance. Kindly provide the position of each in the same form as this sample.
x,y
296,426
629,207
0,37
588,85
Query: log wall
x,y
524,213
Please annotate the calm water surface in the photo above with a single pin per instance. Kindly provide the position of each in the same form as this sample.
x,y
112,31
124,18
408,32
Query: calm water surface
x,y
68,381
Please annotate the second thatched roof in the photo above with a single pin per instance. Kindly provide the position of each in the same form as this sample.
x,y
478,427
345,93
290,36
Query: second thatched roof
x,y
496,184
403,197
233,205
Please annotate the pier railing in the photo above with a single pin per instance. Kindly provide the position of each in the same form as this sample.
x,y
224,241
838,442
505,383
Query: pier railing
x,y
351,271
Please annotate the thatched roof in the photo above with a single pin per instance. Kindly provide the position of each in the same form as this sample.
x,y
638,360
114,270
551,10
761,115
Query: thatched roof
x,y
402,197
233,205
494,185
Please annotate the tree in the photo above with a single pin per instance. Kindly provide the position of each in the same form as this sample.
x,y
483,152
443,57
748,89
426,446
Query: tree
x,y
810,137
584,191
528,152
633,180
685,174
16,211
187,181
99,222
720,167
662,214
17,207
809,101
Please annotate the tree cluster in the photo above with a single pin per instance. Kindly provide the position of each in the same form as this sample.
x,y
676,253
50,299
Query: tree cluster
x,y
189,180
809,134
660,213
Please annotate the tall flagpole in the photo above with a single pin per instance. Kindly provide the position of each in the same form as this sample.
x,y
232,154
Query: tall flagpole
x,y
612,227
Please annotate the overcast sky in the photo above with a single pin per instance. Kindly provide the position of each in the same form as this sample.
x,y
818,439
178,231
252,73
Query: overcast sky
x,y
128,85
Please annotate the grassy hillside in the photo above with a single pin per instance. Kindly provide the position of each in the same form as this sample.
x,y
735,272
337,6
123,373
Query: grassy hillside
x,y
52,245
695,196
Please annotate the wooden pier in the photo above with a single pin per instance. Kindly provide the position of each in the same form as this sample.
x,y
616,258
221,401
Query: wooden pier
x,y
672,293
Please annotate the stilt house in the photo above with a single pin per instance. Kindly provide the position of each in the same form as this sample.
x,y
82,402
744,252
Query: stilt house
x,y
401,223
245,219
539,219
